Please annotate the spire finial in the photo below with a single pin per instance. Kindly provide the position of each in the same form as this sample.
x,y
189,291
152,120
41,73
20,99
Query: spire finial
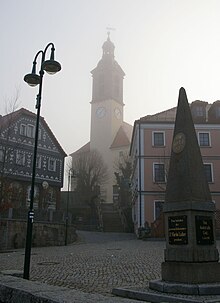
x,y
109,29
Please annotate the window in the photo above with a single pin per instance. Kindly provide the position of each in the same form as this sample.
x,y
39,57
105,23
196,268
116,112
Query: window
x,y
204,139
23,129
199,111
159,172
30,131
20,158
158,139
101,85
39,134
217,111
38,162
116,86
158,208
52,164
1,155
209,172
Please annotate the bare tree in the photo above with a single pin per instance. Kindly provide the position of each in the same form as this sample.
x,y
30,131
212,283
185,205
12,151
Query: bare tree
x,y
90,173
123,172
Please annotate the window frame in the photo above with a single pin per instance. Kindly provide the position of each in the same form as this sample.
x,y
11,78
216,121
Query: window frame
x,y
2,155
156,201
38,162
209,139
23,129
153,138
211,171
54,164
199,111
20,158
30,131
154,173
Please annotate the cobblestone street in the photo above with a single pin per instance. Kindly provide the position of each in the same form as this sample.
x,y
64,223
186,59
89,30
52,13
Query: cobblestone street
x,y
97,263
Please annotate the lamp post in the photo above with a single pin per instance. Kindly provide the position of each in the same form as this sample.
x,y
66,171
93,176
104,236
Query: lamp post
x,y
67,205
51,66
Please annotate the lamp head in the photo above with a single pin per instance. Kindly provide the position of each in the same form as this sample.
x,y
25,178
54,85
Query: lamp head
x,y
51,66
32,79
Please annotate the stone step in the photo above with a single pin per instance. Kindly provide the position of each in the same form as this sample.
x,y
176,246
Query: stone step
x,y
111,218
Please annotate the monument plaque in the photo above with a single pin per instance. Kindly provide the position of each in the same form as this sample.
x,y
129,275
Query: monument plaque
x,y
177,230
204,230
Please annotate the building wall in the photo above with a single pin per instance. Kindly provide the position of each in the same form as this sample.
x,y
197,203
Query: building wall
x,y
145,155
13,233
17,139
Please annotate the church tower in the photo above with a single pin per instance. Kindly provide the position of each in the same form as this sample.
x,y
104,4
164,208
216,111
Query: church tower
x,y
106,109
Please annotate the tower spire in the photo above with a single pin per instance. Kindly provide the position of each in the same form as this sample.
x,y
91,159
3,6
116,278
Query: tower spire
x,y
108,48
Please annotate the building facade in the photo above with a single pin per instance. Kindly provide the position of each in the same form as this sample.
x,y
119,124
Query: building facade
x,y
109,134
17,135
150,152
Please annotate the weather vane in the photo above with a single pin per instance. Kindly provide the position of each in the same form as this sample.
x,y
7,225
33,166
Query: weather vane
x,y
110,29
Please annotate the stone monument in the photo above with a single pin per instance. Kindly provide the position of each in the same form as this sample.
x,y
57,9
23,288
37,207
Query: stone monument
x,y
191,257
190,271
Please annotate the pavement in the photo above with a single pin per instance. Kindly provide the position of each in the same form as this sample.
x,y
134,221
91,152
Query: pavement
x,y
96,263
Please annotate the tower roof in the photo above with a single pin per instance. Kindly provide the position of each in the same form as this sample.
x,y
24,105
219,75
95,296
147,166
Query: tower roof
x,y
108,47
108,59
123,136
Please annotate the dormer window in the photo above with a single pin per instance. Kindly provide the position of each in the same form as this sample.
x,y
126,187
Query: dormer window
x,y
217,112
198,111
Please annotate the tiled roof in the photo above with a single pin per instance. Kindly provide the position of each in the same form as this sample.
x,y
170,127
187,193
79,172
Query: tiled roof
x,y
123,136
167,115
84,149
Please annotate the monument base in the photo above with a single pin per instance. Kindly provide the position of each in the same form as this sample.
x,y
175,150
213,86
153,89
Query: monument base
x,y
203,289
149,295
191,273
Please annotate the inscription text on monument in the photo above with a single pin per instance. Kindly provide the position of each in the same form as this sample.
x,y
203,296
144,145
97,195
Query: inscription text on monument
x,y
204,230
177,230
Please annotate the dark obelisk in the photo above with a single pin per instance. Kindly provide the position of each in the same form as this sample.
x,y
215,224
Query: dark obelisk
x,y
191,256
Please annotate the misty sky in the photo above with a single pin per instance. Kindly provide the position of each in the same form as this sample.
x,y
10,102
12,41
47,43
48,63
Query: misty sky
x,y
160,44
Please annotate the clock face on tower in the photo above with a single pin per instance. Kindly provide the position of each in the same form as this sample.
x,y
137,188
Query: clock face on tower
x,y
117,113
100,112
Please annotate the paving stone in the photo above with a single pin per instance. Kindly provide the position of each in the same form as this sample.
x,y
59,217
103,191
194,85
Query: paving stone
x,y
96,264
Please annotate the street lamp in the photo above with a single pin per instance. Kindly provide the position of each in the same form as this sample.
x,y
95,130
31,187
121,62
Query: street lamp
x,y
51,66
67,205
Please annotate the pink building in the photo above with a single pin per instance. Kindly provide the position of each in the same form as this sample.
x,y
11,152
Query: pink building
x,y
150,152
